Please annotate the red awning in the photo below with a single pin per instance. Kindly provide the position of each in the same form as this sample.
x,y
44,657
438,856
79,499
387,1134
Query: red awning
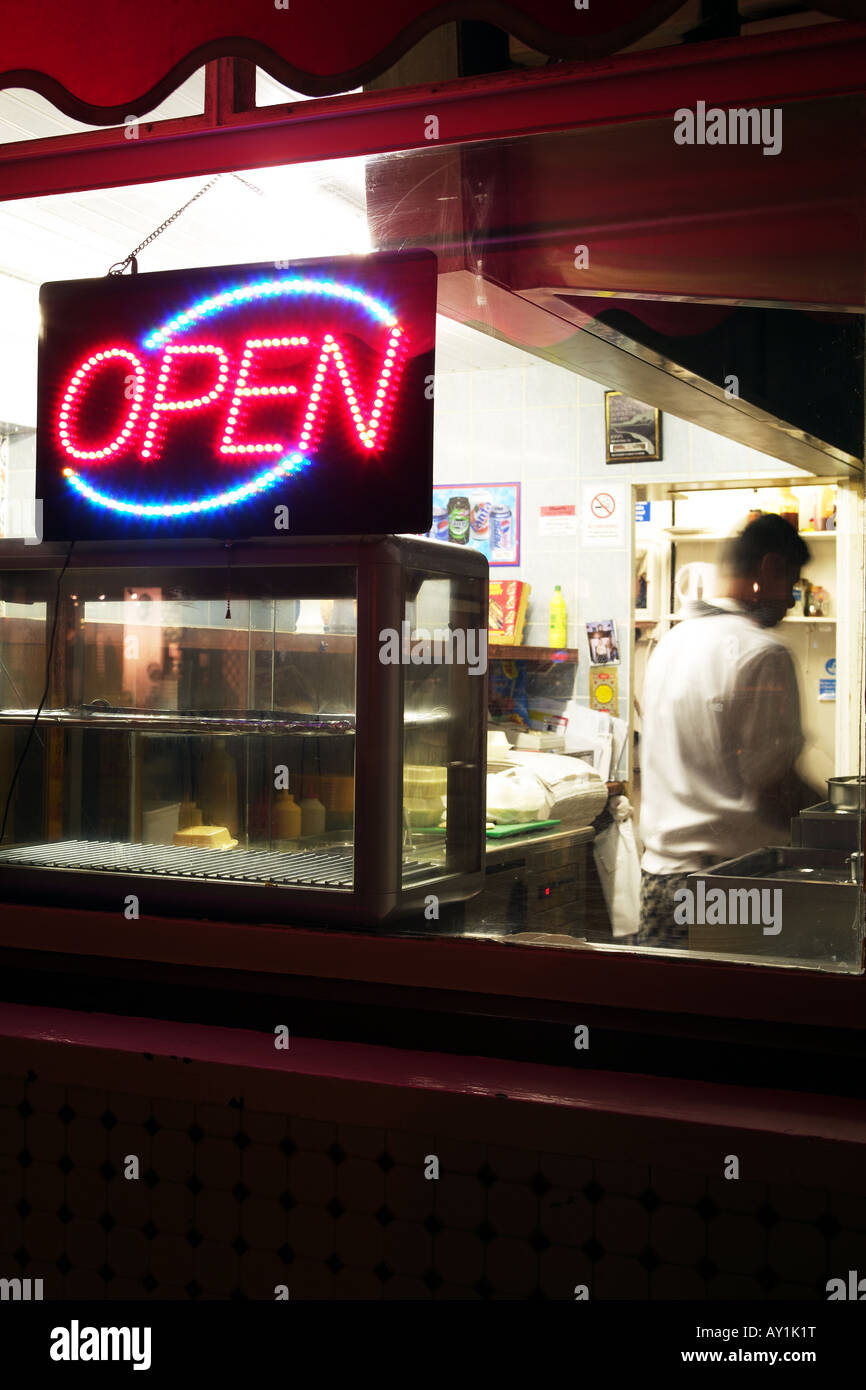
x,y
101,61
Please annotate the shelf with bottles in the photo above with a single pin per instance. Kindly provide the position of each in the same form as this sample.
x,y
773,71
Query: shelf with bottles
x,y
497,652
694,564
800,618
796,618
709,516
689,533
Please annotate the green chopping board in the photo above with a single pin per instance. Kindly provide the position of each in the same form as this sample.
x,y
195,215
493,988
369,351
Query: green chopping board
x,y
498,832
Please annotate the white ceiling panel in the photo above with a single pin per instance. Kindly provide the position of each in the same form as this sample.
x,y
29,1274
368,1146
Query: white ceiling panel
x,y
26,115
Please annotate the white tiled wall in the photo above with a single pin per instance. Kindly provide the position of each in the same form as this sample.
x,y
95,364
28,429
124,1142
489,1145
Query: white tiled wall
x,y
19,486
19,314
543,426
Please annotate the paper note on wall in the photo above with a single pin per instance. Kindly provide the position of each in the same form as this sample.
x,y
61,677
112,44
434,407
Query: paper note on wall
x,y
557,521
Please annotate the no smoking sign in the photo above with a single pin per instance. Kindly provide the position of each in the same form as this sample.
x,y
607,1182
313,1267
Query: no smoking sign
x,y
602,512
603,505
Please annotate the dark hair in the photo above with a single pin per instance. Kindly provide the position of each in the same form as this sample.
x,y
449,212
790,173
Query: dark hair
x,y
766,535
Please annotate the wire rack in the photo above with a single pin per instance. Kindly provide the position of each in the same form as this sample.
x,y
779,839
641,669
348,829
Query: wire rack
x,y
308,868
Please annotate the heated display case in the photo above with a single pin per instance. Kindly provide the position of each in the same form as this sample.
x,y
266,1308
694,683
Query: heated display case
x,y
283,732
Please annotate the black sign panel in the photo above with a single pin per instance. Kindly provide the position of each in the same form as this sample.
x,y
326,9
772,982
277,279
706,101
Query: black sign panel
x,y
256,400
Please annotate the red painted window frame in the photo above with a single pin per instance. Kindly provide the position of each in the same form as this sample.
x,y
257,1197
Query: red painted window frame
x,y
798,65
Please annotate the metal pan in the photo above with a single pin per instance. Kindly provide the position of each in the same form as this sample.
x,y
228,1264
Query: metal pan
x,y
846,793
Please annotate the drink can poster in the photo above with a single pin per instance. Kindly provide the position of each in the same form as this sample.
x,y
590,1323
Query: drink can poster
x,y
484,516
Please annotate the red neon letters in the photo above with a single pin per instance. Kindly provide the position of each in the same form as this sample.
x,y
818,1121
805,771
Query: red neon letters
x,y
244,390
72,402
325,372
155,426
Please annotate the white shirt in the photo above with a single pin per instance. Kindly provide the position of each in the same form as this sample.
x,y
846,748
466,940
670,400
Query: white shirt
x,y
721,725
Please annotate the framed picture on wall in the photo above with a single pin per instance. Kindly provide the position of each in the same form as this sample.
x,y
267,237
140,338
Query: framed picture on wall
x,y
632,430
484,516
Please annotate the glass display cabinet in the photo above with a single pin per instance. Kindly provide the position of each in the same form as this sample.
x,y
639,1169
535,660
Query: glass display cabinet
x,y
282,732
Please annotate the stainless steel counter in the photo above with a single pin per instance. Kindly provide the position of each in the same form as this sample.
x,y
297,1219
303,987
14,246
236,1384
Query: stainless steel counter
x,y
550,839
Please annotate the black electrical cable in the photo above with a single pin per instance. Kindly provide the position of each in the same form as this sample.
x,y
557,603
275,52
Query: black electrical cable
x,y
20,763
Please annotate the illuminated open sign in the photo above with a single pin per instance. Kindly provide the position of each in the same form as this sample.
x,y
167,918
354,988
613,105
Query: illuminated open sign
x,y
213,402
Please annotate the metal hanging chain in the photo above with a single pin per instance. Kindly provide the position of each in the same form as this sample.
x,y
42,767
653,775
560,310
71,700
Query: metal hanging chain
x,y
132,259
253,187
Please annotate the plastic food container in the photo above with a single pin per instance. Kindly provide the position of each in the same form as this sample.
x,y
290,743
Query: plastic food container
x,y
424,793
422,783
427,811
159,823
205,837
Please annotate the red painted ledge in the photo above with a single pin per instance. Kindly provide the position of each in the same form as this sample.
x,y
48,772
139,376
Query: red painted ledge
x,y
606,977
687,1123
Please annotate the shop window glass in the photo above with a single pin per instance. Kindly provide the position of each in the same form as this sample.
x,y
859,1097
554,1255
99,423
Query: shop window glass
x,y
573,306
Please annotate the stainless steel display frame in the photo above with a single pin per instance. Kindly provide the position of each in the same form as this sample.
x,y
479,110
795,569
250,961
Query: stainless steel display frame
x,y
381,564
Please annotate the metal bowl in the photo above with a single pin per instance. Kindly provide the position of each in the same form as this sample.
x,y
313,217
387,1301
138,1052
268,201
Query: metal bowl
x,y
846,793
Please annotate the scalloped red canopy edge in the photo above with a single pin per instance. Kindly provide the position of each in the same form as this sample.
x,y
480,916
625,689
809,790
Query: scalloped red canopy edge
x,y
100,62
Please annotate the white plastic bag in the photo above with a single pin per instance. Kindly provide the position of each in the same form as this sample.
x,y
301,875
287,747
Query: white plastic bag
x,y
516,796
618,865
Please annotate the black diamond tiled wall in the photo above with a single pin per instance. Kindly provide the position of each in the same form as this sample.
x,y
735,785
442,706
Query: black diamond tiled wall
x,y
231,1203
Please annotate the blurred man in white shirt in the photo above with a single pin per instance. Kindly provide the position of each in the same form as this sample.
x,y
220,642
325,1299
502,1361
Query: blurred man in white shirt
x,y
721,727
